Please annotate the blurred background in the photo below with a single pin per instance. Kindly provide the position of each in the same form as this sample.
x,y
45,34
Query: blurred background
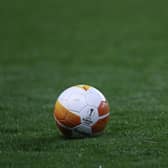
x,y
120,47
60,43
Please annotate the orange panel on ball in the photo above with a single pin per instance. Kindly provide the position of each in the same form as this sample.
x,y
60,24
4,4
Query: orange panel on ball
x,y
66,117
72,120
64,131
103,108
100,125
85,87
60,111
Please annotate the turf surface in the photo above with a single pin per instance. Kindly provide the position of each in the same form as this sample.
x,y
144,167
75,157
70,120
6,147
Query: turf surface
x,y
120,47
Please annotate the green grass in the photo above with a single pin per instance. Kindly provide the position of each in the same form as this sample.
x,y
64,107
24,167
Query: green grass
x,y
120,47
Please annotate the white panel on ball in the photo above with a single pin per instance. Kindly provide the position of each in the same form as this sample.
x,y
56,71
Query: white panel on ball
x,y
89,115
74,99
94,97
82,130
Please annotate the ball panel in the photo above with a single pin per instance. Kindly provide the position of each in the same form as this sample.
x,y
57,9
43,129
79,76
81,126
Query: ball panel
x,y
94,97
100,125
82,130
71,120
66,117
60,111
103,108
85,87
97,92
77,102
73,99
64,131
89,115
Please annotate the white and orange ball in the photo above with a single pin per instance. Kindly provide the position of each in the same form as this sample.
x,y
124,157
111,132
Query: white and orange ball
x,y
81,111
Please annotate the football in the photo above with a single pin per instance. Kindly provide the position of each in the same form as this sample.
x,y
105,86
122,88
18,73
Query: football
x,y
81,111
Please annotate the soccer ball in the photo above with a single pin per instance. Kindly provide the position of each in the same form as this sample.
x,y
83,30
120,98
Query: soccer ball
x,y
81,111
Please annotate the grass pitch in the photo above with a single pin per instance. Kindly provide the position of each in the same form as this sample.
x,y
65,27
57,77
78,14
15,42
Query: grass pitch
x,y
120,47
